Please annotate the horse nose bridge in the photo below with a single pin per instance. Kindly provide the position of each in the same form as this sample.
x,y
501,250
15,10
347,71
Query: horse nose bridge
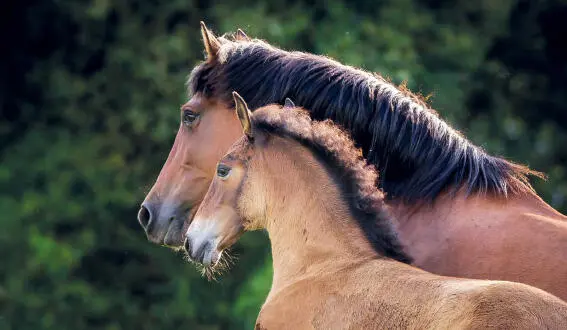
x,y
167,182
172,169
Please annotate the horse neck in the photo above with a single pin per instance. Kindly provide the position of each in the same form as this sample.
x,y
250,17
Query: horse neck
x,y
318,232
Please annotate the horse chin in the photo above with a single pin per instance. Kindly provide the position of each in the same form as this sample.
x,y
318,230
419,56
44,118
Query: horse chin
x,y
175,235
173,240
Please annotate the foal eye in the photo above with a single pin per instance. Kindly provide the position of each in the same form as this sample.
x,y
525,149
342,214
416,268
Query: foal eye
x,y
223,171
189,117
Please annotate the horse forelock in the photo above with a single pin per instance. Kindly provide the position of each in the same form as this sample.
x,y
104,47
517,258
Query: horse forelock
x,y
418,154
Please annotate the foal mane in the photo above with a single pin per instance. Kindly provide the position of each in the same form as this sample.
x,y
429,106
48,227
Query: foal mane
x,y
338,154
419,155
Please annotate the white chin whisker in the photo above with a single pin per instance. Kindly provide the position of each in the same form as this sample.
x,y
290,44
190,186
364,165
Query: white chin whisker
x,y
207,259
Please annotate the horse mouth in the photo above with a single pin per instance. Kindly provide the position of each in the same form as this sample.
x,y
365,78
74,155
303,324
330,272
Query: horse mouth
x,y
173,238
175,235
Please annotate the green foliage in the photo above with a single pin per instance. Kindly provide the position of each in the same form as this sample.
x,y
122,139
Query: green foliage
x,y
89,110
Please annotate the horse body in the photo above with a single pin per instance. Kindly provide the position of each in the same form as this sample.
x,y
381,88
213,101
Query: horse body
x,y
459,211
337,262
384,294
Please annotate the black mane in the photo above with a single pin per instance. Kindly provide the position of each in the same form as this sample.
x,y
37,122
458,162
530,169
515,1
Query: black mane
x,y
355,178
418,155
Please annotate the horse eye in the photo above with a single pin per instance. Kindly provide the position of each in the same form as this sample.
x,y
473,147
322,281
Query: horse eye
x,y
189,117
223,171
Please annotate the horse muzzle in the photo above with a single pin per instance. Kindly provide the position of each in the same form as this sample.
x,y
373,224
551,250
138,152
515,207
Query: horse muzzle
x,y
162,223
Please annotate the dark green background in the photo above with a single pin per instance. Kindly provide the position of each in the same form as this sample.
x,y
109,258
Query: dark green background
x,y
89,99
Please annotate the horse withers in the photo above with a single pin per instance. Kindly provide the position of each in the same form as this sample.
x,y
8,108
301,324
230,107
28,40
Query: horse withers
x,y
337,261
459,211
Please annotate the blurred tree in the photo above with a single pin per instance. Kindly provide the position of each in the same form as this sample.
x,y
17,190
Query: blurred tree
x,y
88,104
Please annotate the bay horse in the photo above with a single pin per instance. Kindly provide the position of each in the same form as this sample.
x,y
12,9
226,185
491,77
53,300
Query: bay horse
x,y
337,261
458,210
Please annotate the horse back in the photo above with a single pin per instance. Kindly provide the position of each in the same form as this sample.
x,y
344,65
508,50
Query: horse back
x,y
387,294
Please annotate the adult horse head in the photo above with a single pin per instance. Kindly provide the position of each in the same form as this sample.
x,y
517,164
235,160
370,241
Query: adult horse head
x,y
207,128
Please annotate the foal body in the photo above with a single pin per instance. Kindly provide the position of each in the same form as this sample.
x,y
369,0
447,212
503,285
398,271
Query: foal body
x,y
332,249
327,276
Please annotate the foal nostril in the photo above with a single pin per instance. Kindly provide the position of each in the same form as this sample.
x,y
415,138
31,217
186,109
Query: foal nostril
x,y
144,217
187,246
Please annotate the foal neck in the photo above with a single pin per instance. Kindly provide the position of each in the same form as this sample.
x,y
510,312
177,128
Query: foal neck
x,y
309,223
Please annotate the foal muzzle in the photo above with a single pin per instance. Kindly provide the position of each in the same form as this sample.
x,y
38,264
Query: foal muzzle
x,y
201,250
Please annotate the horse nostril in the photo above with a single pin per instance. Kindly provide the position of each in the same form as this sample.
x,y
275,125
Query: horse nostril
x,y
187,246
144,217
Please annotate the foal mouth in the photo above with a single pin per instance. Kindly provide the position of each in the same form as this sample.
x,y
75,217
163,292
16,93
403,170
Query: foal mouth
x,y
206,254
209,260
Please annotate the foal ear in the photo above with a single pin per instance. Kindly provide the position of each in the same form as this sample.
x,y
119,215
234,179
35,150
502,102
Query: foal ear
x,y
243,114
288,103
212,44
240,35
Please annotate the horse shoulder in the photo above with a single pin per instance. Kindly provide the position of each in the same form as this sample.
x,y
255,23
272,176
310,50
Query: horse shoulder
x,y
322,302
290,307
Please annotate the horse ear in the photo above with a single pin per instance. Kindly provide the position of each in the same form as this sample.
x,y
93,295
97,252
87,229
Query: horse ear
x,y
240,35
243,114
288,103
212,44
